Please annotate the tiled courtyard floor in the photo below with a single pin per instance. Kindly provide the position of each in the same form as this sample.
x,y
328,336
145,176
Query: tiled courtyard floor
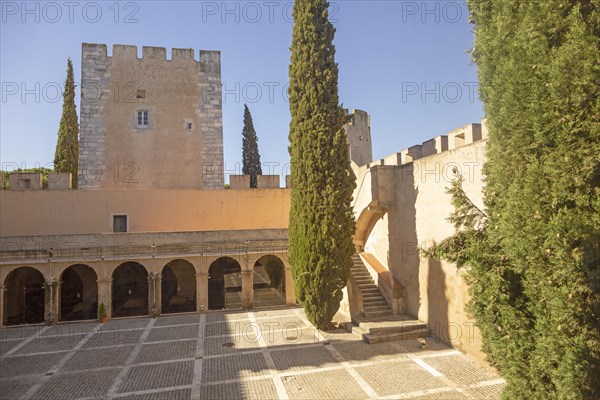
x,y
265,354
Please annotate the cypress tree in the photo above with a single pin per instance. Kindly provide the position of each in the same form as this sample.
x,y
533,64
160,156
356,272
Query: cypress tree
x,y
321,220
535,260
66,155
250,154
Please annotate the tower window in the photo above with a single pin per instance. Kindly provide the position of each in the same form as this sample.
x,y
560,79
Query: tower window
x,y
141,94
143,120
119,223
189,126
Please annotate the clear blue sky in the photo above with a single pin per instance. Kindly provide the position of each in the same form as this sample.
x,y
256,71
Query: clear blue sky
x,y
405,62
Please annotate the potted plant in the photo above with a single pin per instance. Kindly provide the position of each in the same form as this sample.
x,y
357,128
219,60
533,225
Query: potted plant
x,y
102,313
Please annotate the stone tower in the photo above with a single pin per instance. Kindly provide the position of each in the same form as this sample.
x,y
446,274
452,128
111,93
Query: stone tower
x,y
358,132
149,122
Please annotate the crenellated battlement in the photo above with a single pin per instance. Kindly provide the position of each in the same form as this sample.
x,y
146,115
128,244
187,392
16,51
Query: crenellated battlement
x,y
455,139
209,58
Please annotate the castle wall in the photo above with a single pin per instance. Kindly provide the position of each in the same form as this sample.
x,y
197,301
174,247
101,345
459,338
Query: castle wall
x,y
182,146
87,212
435,291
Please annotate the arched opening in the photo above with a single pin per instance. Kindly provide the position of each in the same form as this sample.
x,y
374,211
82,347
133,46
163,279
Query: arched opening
x,y
130,290
24,297
78,293
269,282
224,284
178,287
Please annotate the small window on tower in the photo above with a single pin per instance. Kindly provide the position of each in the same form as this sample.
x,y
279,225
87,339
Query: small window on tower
x,y
141,94
119,223
143,120
189,126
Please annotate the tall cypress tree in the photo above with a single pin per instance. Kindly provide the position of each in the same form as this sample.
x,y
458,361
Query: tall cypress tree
x,y
66,155
535,262
321,219
250,154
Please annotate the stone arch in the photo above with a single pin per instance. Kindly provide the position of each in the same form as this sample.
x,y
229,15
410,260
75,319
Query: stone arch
x,y
78,293
24,296
269,281
224,284
129,290
178,287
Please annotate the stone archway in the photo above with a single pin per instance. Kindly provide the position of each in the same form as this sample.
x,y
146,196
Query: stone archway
x,y
24,298
269,281
78,293
178,287
130,290
224,284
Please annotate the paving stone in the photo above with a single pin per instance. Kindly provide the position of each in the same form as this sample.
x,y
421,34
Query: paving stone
x,y
77,385
393,378
146,377
65,329
336,384
19,332
233,367
449,394
414,346
461,369
181,394
339,335
222,344
11,389
297,359
360,352
8,345
52,343
166,351
225,316
225,328
166,320
291,337
285,323
485,392
28,365
127,323
173,333
98,358
113,338
276,313
261,389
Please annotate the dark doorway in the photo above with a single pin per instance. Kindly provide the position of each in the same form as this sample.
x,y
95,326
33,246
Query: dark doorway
x,y
224,284
130,290
78,293
24,297
269,282
178,287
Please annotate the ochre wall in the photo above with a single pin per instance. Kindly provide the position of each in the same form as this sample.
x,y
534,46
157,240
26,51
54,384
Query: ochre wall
x,y
29,213
436,291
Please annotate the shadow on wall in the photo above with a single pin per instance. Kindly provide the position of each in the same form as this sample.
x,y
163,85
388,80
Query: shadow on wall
x,y
437,302
403,258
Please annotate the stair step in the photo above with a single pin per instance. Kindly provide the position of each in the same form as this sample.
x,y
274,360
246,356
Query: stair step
x,y
374,303
372,314
393,337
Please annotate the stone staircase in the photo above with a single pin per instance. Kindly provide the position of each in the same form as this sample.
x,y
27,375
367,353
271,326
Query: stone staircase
x,y
374,304
377,324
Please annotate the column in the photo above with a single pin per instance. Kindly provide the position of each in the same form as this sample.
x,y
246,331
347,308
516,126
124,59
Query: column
x,y
202,292
158,289
2,305
248,289
105,295
50,302
290,288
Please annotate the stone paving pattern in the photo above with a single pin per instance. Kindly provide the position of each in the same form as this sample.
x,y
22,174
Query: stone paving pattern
x,y
265,354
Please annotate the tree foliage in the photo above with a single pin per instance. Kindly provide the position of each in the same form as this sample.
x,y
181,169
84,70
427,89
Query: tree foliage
x,y
321,219
250,154
66,155
534,259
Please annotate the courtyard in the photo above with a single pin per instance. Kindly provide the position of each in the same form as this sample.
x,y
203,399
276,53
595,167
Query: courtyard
x,y
266,354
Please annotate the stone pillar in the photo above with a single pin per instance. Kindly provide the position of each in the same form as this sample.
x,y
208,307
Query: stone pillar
x,y
202,291
290,288
248,288
151,294
1,305
51,302
105,295
158,288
